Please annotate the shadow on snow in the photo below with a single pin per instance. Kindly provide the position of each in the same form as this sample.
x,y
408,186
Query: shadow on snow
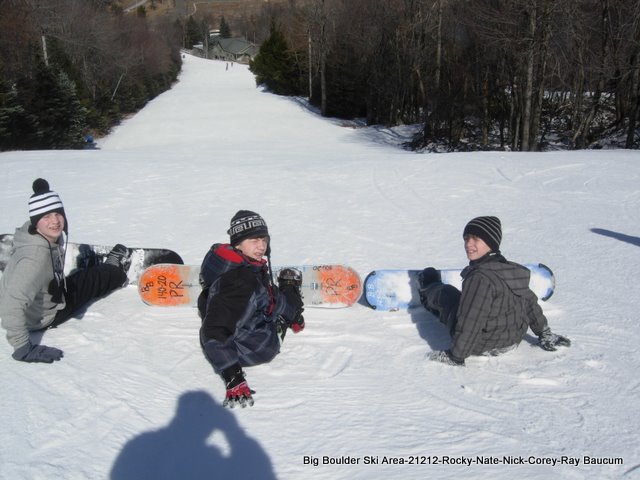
x,y
181,450
618,236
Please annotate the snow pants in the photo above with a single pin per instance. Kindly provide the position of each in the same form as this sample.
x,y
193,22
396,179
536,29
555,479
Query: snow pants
x,y
442,300
87,285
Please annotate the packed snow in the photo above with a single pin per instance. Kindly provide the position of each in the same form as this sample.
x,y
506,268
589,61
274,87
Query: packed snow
x,y
353,395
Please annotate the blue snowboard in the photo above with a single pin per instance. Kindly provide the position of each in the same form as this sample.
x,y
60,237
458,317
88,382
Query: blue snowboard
x,y
391,290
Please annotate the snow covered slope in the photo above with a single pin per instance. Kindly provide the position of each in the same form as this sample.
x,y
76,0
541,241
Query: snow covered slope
x,y
135,398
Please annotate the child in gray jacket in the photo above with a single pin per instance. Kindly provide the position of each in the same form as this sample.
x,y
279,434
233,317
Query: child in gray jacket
x,y
34,292
496,306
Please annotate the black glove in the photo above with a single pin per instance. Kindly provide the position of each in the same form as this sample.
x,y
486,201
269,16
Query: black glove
x,y
37,353
289,283
445,357
549,341
57,290
238,391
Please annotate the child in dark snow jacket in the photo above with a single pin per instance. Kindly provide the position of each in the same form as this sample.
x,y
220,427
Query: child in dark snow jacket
x,y
244,315
34,293
496,306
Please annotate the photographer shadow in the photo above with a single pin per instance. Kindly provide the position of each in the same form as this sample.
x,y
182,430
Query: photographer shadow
x,y
182,450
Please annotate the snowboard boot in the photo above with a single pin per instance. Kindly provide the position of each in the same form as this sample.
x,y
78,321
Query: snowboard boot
x,y
428,276
120,257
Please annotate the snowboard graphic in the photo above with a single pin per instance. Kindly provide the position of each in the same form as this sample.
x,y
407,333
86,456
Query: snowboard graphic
x,y
83,255
391,290
323,286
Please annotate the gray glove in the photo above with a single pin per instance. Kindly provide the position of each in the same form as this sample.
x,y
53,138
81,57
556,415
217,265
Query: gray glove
x,y
37,353
549,341
445,357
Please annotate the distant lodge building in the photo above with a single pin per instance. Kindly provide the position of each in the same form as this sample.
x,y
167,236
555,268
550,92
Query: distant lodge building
x,y
237,50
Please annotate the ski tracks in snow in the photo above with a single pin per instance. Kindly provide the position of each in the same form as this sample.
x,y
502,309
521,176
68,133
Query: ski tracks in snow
x,y
398,191
338,361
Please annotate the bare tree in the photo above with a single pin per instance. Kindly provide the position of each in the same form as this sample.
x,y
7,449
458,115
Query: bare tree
x,y
319,46
17,38
579,138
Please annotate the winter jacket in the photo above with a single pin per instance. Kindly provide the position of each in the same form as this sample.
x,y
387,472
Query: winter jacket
x,y
26,303
496,307
239,307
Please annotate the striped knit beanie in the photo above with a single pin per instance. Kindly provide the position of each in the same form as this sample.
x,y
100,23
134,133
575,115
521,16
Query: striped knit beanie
x,y
489,229
246,224
44,201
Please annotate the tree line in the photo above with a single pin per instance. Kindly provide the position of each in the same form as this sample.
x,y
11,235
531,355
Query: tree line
x,y
70,68
473,74
515,74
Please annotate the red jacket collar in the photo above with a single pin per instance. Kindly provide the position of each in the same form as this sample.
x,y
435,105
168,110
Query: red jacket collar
x,y
233,255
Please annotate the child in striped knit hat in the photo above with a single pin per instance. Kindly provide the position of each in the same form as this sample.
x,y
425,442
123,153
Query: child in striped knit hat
x,y
496,306
34,292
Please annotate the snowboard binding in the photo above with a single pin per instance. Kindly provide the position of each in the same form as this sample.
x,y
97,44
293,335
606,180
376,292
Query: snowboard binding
x,y
290,277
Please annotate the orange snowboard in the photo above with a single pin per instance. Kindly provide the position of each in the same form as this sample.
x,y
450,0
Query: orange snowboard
x,y
323,286
169,285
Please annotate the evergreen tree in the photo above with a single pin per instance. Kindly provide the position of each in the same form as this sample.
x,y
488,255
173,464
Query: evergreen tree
x,y
346,83
274,66
15,122
74,126
51,99
192,34
225,29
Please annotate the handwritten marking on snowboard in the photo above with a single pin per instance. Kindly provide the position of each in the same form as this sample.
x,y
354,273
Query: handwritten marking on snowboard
x,y
339,284
165,286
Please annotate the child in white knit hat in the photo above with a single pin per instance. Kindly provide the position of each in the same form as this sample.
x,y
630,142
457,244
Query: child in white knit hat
x,y
34,292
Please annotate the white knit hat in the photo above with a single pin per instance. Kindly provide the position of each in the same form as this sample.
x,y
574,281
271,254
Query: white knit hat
x,y
44,201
